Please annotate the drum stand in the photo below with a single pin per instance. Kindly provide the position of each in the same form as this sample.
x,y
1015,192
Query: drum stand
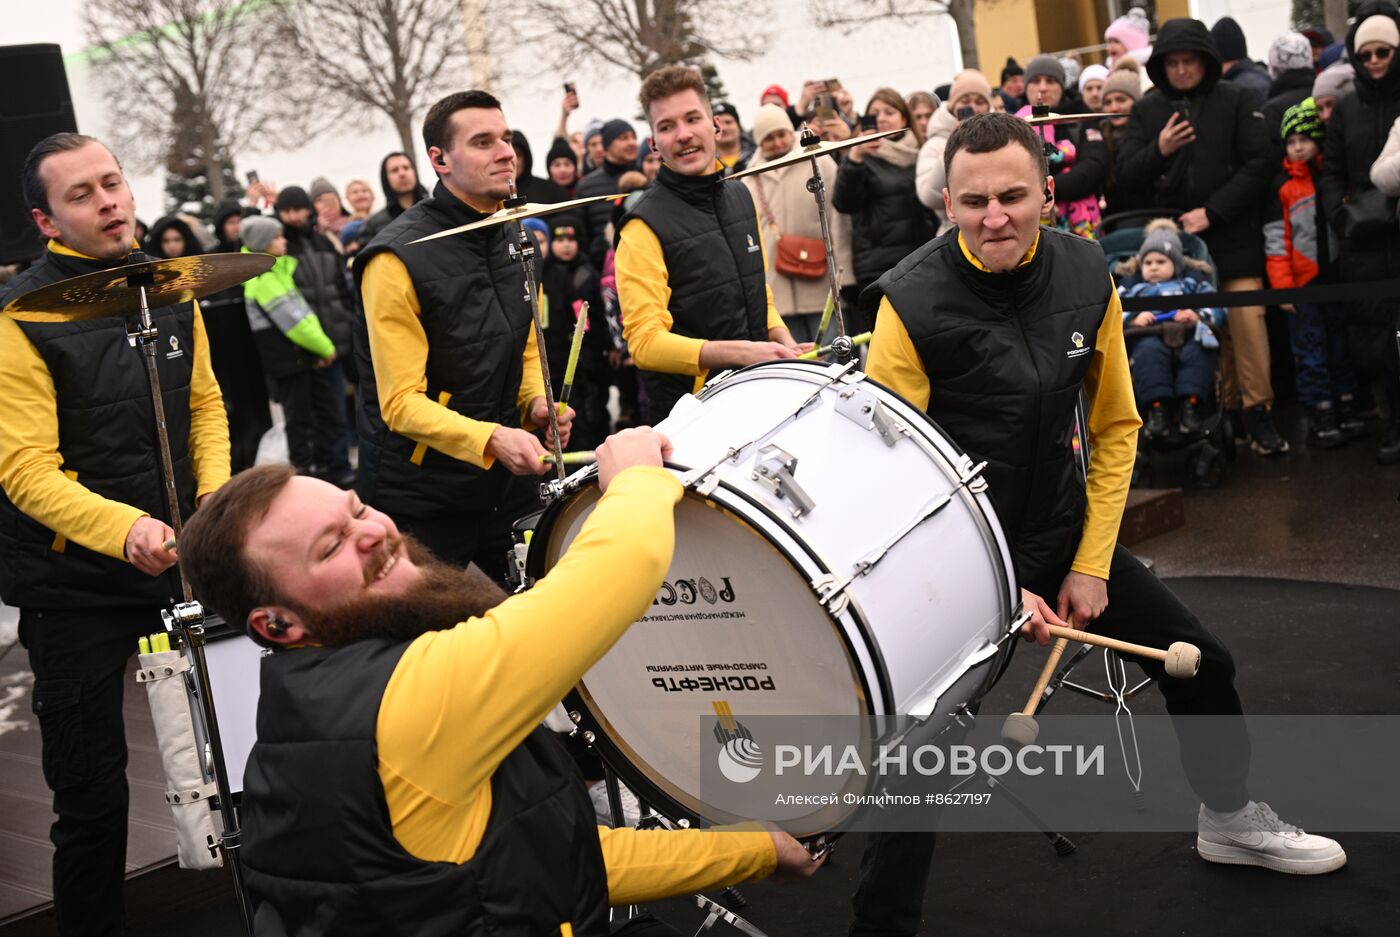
x,y
188,616
841,347
523,253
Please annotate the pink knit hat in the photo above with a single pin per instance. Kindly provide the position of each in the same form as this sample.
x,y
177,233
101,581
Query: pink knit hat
x,y
1132,29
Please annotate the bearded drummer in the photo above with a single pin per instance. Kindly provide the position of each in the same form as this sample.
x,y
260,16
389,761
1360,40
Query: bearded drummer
x,y
994,328
401,782
690,268
451,395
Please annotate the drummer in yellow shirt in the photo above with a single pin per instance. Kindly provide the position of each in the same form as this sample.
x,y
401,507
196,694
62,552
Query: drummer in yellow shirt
x,y
690,265
995,328
472,787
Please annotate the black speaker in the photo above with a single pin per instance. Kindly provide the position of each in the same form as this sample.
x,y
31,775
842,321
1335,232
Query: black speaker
x,y
34,102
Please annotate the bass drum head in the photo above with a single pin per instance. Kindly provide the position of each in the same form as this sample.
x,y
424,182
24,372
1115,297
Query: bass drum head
x,y
734,624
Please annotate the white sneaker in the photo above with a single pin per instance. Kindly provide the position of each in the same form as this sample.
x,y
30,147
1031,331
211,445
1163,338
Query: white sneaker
x,y
631,807
1256,836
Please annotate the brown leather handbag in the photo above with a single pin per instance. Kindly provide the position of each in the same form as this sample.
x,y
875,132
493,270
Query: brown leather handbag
x,y
800,257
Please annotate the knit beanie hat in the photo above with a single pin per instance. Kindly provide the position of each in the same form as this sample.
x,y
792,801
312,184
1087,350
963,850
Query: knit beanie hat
x,y
1303,118
1229,39
777,91
1011,70
538,225
1290,52
1124,81
1092,73
1334,81
614,129
969,81
724,107
560,149
769,119
1377,28
1046,65
293,196
592,129
1164,240
1132,29
258,231
321,186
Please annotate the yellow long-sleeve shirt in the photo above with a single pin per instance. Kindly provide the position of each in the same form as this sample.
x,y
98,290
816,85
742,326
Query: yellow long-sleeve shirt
x,y
398,347
1113,420
31,467
644,293
459,701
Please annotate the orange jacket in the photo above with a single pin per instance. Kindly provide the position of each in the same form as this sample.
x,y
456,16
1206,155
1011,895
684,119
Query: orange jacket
x,y
1292,243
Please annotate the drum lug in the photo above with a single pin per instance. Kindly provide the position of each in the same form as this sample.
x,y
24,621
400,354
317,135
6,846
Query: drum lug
x,y
864,409
970,475
831,592
702,481
774,469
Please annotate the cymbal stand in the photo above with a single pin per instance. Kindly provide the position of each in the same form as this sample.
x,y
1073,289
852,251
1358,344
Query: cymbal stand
x,y
189,614
523,252
841,347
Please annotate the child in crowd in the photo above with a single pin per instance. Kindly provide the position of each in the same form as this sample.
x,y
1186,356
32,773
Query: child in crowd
x,y
1173,373
1300,250
568,281
293,347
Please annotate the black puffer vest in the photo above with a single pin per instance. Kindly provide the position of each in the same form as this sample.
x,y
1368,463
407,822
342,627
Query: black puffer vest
x,y
107,443
319,847
474,312
709,237
1006,354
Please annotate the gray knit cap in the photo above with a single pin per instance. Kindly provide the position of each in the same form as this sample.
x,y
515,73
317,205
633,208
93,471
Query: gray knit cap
x,y
1164,241
258,231
1045,65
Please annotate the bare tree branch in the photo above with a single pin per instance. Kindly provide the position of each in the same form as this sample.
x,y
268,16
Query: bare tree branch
x,y
190,80
393,57
640,36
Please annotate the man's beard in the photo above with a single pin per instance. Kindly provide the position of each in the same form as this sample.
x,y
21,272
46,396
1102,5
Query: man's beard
x,y
442,596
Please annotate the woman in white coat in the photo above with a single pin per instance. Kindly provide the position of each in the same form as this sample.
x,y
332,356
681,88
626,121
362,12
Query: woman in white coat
x,y
788,212
970,94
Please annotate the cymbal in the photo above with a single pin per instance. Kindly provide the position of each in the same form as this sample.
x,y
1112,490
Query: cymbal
x,y
1066,118
107,293
816,149
520,213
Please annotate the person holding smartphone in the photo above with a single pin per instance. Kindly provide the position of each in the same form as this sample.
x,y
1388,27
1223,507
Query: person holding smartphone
x,y
875,186
1202,149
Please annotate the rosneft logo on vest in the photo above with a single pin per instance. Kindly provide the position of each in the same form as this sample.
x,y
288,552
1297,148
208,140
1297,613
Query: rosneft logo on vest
x,y
175,350
752,246
1077,340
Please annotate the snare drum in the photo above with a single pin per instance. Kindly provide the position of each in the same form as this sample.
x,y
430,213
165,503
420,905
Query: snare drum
x,y
835,555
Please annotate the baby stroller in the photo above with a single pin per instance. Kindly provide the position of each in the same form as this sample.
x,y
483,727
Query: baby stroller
x,y
1207,452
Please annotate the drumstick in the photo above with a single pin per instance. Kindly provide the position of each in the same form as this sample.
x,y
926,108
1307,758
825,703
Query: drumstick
x,y
574,349
571,458
1182,660
830,306
861,339
168,545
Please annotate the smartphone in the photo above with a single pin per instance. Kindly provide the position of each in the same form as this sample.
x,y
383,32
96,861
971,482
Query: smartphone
x,y
1182,108
569,87
252,176
826,107
833,85
868,123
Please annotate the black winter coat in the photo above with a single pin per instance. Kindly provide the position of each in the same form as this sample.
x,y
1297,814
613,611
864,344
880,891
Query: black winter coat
x,y
1247,75
1227,170
324,282
1355,136
888,222
601,181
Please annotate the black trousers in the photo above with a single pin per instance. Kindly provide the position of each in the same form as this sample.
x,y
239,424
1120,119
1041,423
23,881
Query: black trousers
x,y
79,659
313,403
483,537
894,870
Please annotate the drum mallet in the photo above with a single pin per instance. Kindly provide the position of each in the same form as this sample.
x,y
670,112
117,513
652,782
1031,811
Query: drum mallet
x,y
1021,728
1181,660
